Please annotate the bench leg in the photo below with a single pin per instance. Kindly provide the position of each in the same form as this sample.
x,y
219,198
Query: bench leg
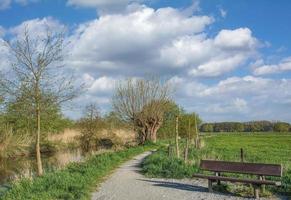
x,y
218,181
256,191
210,189
263,187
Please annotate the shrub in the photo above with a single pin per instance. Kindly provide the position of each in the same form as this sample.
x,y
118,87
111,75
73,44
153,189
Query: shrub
x,y
160,165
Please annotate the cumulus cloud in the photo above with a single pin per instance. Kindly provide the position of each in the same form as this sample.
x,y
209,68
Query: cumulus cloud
x,y
39,26
165,40
236,98
134,43
238,39
284,65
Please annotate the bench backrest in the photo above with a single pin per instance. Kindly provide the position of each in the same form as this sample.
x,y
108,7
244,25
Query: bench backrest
x,y
242,167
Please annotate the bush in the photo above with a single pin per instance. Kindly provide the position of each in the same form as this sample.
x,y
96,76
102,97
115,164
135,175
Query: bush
x,y
160,165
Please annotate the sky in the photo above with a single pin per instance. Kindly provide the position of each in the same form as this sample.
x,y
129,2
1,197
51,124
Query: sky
x,y
227,60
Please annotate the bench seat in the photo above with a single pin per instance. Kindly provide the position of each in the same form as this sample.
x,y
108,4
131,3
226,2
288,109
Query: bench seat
x,y
238,180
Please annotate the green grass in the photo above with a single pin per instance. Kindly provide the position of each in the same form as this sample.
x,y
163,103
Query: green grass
x,y
258,147
160,165
77,181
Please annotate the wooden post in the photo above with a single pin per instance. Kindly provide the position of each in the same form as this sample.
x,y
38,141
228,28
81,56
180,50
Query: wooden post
x,y
256,191
263,187
177,137
241,155
218,174
210,189
186,155
187,143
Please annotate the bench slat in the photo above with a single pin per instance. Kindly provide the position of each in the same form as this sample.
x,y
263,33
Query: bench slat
x,y
243,168
252,181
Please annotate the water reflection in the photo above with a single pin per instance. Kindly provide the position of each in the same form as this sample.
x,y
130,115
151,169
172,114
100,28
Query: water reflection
x,y
15,169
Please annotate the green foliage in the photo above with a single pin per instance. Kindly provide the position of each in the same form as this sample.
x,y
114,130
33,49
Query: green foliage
x,y
281,127
112,121
167,129
254,126
75,182
207,128
20,115
160,165
184,120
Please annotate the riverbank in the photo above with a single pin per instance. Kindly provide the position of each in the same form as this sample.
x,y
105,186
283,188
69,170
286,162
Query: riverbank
x,y
76,181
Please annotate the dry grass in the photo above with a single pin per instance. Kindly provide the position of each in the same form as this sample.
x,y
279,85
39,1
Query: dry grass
x,y
12,145
67,136
122,136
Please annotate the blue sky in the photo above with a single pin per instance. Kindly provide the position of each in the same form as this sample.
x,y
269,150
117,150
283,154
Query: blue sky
x,y
229,60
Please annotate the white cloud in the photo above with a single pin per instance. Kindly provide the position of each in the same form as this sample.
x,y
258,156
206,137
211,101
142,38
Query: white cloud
x,y
106,6
165,39
5,4
4,60
238,39
2,32
223,12
133,43
39,26
236,98
284,65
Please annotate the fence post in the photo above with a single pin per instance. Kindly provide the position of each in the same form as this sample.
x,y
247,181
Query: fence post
x,y
177,137
241,155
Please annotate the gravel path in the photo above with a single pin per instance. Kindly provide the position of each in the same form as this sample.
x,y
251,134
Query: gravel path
x,y
128,184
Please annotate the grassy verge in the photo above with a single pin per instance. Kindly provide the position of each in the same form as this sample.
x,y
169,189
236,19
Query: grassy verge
x,y
159,164
75,182
265,148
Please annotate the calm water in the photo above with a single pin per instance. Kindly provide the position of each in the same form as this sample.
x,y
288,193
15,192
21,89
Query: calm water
x,y
15,169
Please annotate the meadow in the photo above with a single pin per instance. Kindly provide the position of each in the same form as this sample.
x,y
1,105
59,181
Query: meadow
x,y
258,147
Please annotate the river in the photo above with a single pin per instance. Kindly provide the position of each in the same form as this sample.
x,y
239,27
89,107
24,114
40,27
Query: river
x,y
25,167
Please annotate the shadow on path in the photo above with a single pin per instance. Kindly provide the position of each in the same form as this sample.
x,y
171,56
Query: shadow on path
x,y
175,185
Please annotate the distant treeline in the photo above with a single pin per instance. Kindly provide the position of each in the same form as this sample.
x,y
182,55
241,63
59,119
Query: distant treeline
x,y
253,126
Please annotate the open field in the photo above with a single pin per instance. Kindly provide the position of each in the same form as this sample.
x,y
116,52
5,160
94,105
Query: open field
x,y
258,147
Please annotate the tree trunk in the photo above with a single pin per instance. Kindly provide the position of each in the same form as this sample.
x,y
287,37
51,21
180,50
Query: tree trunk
x,y
154,131
37,146
177,137
197,135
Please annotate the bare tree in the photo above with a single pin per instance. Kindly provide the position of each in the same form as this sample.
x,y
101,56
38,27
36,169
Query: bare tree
x,y
143,103
90,124
37,72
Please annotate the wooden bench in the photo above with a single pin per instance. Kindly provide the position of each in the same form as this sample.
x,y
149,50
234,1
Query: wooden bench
x,y
259,169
